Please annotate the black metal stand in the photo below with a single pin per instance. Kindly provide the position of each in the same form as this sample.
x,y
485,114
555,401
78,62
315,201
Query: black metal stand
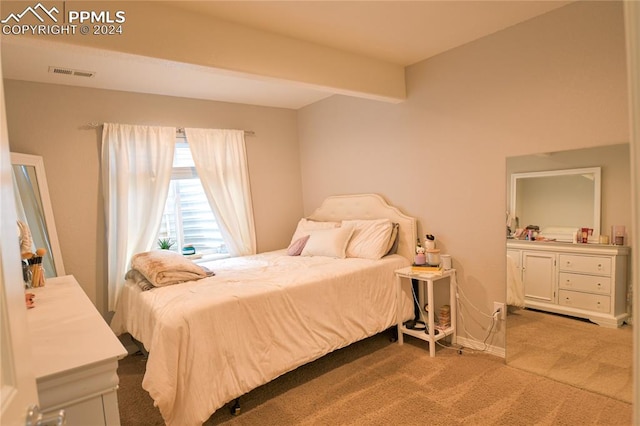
x,y
235,408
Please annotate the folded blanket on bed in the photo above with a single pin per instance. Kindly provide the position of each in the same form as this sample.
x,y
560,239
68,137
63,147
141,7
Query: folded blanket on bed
x,y
139,279
165,267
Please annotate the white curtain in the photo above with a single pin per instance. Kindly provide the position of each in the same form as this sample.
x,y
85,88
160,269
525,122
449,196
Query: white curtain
x,y
221,161
136,170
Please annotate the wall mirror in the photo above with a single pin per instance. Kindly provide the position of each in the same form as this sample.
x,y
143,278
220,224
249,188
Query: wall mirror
x,y
563,348
34,209
554,199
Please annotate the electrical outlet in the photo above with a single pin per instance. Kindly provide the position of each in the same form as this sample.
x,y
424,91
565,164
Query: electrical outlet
x,y
497,306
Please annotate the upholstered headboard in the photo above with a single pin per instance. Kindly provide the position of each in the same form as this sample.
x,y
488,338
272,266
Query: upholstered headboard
x,y
370,206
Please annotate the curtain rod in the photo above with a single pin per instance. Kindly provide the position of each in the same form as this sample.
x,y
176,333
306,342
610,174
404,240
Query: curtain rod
x,y
179,130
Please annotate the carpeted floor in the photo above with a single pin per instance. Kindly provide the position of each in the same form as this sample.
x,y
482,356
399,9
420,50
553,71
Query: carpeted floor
x,y
572,351
375,382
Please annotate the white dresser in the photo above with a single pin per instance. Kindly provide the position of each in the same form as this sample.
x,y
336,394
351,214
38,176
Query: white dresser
x,y
582,280
75,355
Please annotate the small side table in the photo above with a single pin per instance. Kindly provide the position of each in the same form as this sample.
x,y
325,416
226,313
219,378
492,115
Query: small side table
x,y
429,279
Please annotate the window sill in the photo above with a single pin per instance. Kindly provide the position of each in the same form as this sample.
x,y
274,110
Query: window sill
x,y
210,257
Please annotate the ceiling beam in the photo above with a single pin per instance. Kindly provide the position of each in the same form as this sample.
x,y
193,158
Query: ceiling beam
x,y
158,30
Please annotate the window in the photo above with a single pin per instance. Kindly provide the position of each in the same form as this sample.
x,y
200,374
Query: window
x,y
187,217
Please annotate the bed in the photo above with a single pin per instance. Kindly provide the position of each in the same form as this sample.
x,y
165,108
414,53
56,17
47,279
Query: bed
x,y
214,339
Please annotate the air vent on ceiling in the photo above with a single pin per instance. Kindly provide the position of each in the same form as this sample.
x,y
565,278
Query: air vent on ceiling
x,y
68,71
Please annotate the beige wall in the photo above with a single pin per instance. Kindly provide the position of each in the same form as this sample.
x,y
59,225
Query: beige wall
x,y
51,121
556,82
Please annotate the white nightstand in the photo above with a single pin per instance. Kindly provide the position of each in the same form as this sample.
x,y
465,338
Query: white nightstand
x,y
429,278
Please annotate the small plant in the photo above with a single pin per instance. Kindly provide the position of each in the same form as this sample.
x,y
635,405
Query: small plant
x,y
165,243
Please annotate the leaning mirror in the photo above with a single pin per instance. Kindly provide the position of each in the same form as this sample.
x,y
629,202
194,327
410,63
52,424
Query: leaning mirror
x,y
557,201
36,226
536,341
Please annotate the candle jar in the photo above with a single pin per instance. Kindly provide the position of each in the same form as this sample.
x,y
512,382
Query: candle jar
x,y
618,235
446,261
433,257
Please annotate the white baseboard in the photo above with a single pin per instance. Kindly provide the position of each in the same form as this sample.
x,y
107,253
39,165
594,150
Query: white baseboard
x,y
479,346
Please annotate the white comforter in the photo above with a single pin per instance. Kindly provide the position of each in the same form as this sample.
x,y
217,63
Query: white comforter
x,y
213,340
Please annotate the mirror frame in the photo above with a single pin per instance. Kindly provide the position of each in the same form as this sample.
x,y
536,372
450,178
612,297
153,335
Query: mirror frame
x,y
37,163
597,183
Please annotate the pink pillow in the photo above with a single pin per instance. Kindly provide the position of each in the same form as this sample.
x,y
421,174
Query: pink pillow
x,y
296,247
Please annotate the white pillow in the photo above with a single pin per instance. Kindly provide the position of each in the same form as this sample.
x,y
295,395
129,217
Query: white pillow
x,y
328,242
305,226
370,238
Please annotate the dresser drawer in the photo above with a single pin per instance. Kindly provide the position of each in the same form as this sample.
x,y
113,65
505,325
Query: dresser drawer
x,y
590,302
590,283
586,264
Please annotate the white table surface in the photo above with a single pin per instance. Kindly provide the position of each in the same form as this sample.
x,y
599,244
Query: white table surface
x,y
67,332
